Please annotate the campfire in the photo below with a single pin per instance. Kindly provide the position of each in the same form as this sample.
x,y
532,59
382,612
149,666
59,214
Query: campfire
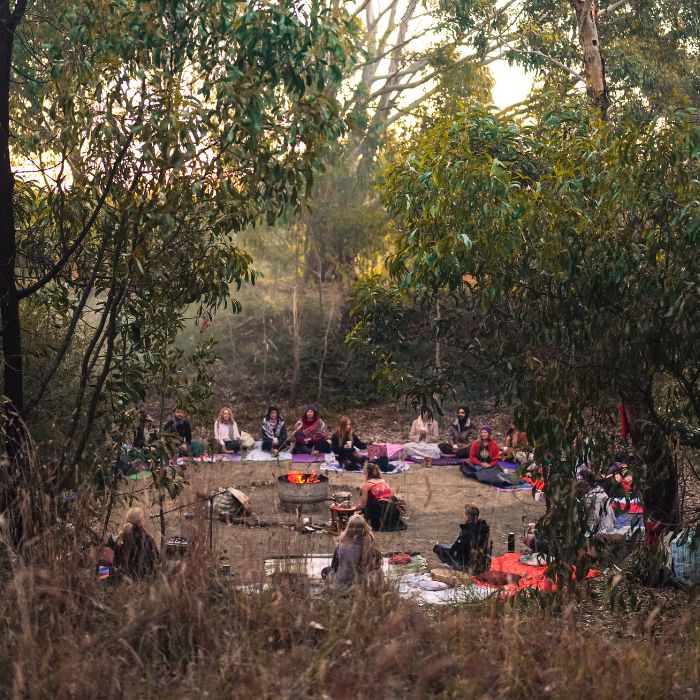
x,y
297,488
300,478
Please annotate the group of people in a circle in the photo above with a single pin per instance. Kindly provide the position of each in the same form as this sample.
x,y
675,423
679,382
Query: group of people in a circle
x,y
310,435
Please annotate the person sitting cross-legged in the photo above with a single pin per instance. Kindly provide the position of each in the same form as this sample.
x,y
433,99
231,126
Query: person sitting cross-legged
x,y
471,549
274,431
346,445
484,451
226,432
310,433
462,433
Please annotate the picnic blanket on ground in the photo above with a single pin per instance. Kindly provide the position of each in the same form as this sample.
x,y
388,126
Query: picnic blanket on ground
x,y
259,455
445,461
502,479
397,468
532,576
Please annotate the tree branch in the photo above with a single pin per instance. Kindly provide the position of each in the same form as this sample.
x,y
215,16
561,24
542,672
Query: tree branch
x,y
553,61
32,288
611,8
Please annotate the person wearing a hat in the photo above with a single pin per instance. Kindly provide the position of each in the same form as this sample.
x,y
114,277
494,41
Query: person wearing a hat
x,y
310,433
471,549
484,451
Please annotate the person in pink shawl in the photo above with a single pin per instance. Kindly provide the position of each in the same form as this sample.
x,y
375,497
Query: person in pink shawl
x,y
310,433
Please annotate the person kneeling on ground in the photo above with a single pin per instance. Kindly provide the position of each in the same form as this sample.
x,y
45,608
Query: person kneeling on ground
x,y
226,432
484,451
310,433
462,432
355,556
472,548
274,431
377,501
135,552
346,444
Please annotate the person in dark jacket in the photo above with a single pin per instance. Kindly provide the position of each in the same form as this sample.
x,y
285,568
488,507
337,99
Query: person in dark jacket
x,y
274,431
180,425
345,444
135,551
462,433
472,549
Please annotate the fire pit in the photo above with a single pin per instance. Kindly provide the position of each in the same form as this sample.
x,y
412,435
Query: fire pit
x,y
298,488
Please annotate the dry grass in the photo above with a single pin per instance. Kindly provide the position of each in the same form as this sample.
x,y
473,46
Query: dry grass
x,y
193,635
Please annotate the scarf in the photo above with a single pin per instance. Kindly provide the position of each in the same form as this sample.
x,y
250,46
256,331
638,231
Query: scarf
x,y
272,428
310,428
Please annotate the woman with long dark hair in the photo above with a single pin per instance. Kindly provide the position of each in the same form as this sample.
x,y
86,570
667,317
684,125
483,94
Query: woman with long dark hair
x,y
346,444
274,431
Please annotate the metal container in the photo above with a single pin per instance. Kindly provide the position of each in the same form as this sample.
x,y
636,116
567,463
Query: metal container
x,y
299,494
511,541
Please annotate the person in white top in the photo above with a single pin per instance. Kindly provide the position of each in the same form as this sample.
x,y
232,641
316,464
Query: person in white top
x,y
226,431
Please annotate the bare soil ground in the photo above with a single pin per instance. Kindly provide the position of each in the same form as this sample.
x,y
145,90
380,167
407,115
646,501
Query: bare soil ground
x,y
435,495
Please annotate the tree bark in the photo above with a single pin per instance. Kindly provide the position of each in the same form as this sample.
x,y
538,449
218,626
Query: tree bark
x,y
659,477
13,369
593,63
296,335
13,387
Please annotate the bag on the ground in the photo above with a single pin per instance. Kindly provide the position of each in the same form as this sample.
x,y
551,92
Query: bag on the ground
x,y
247,441
685,551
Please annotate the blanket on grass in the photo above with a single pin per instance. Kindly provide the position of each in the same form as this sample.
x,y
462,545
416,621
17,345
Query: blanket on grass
x,y
397,468
502,479
532,576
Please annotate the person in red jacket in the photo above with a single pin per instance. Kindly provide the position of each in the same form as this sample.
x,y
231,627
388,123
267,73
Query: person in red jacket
x,y
484,451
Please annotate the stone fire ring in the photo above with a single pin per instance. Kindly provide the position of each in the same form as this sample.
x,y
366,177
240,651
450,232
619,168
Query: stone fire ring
x,y
299,494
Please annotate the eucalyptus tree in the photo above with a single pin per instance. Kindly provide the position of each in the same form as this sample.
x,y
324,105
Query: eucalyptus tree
x,y
136,138
566,256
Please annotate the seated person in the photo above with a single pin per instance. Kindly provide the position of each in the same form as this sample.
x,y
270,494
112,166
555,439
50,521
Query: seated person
x,y
424,428
226,432
618,480
462,433
135,551
355,556
472,548
515,439
274,431
380,506
181,426
345,445
536,542
310,433
423,438
484,451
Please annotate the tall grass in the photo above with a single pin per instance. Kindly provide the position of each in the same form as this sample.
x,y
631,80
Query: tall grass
x,y
194,634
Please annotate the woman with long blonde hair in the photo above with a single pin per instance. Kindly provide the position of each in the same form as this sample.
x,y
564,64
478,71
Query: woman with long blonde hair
x,y
356,555
347,445
226,431
135,553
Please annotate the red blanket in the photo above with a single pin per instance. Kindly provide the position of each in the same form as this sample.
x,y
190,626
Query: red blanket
x,y
532,576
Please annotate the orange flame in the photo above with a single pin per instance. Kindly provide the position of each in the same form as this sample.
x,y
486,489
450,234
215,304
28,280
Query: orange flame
x,y
300,478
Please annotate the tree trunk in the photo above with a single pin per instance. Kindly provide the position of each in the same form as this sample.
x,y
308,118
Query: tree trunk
x,y
659,477
9,299
13,371
296,335
593,63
